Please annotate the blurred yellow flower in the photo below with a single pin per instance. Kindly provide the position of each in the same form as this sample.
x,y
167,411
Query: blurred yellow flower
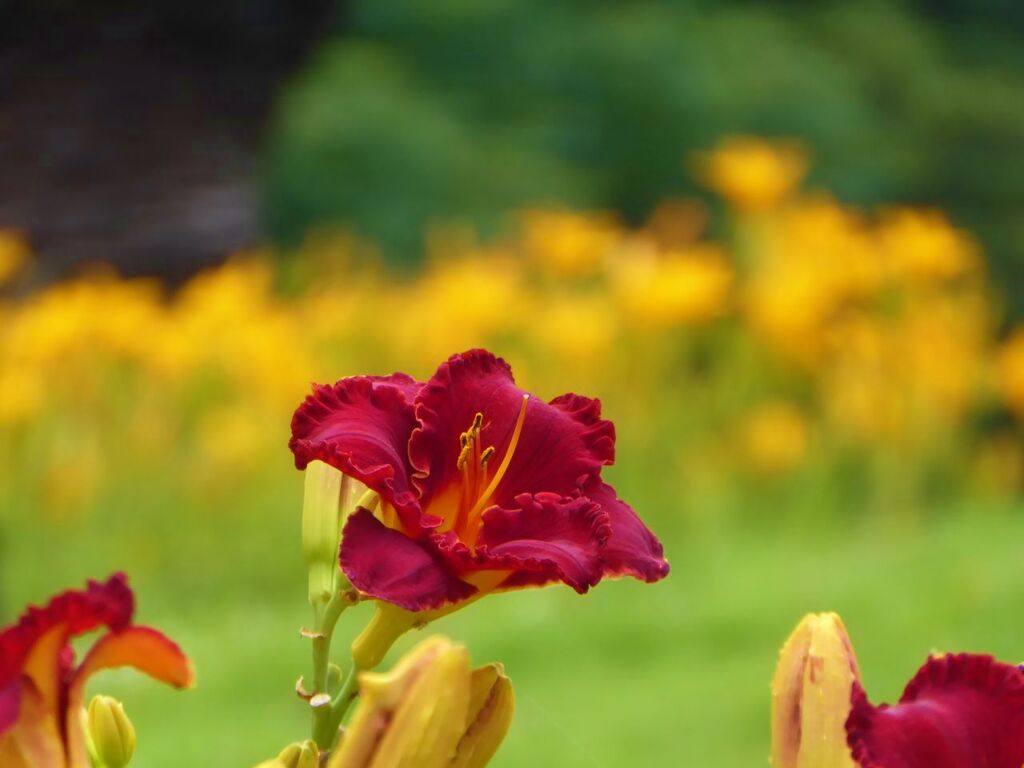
x,y
752,174
922,245
576,330
776,437
569,244
665,290
1009,372
454,305
21,394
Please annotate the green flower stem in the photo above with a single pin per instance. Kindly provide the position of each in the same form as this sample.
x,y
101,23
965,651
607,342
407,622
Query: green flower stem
x,y
325,620
327,719
324,627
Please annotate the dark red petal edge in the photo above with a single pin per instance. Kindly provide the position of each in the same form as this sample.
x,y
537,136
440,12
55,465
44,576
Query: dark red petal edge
x,y
405,383
386,564
361,427
598,434
633,550
954,688
109,604
548,538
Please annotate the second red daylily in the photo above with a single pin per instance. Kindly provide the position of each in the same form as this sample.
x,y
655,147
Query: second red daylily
x,y
959,711
481,486
41,687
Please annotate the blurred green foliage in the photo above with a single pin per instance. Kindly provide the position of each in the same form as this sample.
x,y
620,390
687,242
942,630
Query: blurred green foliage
x,y
418,112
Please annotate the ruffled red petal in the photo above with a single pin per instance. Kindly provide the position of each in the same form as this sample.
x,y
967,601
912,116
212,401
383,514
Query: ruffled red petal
x,y
959,711
360,426
546,538
561,444
405,383
75,612
632,549
388,565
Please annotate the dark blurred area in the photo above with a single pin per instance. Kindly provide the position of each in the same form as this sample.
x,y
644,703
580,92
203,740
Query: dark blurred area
x,y
161,136
130,132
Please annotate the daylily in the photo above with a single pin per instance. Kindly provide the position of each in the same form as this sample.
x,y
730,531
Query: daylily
x,y
959,711
479,485
41,687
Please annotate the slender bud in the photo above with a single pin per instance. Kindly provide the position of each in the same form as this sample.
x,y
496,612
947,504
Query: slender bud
x,y
325,489
491,705
811,695
111,733
413,716
301,754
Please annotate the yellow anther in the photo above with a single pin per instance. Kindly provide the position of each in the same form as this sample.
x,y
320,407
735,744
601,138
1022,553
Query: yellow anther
x,y
478,422
486,455
463,456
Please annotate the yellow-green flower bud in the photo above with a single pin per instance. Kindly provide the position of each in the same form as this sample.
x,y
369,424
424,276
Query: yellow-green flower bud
x,y
811,695
491,705
301,754
413,716
324,502
111,733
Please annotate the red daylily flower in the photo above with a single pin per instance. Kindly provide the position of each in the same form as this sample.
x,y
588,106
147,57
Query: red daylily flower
x,y
959,711
41,687
481,485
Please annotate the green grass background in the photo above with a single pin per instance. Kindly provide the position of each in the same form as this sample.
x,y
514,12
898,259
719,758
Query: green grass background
x,y
673,673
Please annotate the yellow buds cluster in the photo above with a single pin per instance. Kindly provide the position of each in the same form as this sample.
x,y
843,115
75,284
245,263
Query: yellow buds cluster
x,y
430,711
811,695
301,754
111,733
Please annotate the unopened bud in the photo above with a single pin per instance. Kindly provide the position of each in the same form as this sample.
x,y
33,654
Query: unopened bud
x,y
322,505
301,754
413,716
491,705
811,695
111,733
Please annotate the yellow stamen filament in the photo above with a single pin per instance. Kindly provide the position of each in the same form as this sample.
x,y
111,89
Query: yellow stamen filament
x,y
481,502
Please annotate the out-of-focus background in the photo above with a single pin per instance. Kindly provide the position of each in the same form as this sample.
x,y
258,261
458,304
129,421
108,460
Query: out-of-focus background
x,y
783,242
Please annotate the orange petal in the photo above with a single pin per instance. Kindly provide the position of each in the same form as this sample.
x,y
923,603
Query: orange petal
x,y
43,665
34,741
142,648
